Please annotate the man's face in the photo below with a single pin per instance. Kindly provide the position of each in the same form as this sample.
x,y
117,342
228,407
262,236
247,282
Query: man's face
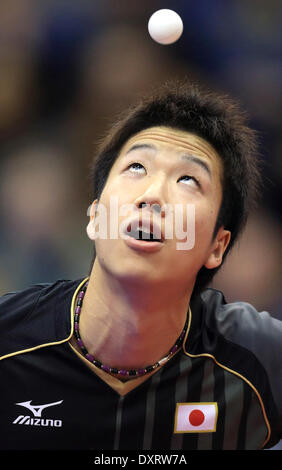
x,y
162,168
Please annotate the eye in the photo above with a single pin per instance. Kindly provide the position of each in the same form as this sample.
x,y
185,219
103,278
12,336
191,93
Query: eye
x,y
136,168
186,179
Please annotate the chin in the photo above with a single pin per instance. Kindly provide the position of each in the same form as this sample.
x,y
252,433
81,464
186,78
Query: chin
x,y
129,269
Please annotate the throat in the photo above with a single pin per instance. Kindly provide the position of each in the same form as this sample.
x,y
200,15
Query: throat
x,y
121,329
127,354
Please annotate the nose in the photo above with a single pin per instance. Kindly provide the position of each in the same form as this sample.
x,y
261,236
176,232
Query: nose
x,y
155,206
152,198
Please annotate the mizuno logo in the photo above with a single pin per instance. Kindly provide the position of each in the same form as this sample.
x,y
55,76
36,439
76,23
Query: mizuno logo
x,y
37,411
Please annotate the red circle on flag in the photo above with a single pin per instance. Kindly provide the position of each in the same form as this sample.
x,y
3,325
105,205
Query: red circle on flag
x,y
196,417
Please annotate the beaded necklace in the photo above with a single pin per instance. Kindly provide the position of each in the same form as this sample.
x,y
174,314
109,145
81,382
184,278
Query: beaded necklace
x,y
111,370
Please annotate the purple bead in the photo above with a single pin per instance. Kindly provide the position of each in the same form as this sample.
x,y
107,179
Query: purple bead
x,y
141,371
89,357
122,372
80,343
76,327
105,368
81,295
174,349
77,310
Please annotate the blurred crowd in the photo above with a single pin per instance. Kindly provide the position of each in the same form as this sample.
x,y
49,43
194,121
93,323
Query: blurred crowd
x,y
68,68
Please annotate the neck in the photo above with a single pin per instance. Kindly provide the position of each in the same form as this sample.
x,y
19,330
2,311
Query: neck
x,y
127,324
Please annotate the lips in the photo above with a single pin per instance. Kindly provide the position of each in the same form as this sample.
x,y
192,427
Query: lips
x,y
144,235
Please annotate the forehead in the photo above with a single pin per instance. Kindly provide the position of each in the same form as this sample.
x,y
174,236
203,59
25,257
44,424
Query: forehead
x,y
166,138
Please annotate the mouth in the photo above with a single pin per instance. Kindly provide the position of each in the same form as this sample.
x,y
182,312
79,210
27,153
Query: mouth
x,y
142,235
146,231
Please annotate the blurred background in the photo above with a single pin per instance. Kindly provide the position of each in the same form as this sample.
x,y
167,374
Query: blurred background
x,y
68,67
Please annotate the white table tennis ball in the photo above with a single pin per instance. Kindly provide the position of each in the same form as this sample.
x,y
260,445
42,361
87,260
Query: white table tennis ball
x,y
165,26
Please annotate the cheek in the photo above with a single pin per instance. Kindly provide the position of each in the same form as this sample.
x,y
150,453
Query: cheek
x,y
205,220
115,193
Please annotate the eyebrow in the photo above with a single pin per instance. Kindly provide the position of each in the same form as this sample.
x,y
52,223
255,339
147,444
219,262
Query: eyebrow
x,y
198,161
185,156
141,146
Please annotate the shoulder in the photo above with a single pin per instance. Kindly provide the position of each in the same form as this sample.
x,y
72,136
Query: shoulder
x,y
36,315
241,322
236,326
246,341
20,302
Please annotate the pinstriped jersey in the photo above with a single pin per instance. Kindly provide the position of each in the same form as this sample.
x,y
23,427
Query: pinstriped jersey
x,y
221,391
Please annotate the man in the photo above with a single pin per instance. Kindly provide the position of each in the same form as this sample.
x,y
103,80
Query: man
x,y
141,354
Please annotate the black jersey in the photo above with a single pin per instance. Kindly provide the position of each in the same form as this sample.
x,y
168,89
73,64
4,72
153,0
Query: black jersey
x,y
223,390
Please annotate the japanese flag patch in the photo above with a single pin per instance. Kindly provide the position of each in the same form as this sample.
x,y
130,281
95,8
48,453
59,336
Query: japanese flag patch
x,y
195,417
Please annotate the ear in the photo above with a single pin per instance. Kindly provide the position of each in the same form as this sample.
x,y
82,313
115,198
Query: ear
x,y
219,246
90,229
